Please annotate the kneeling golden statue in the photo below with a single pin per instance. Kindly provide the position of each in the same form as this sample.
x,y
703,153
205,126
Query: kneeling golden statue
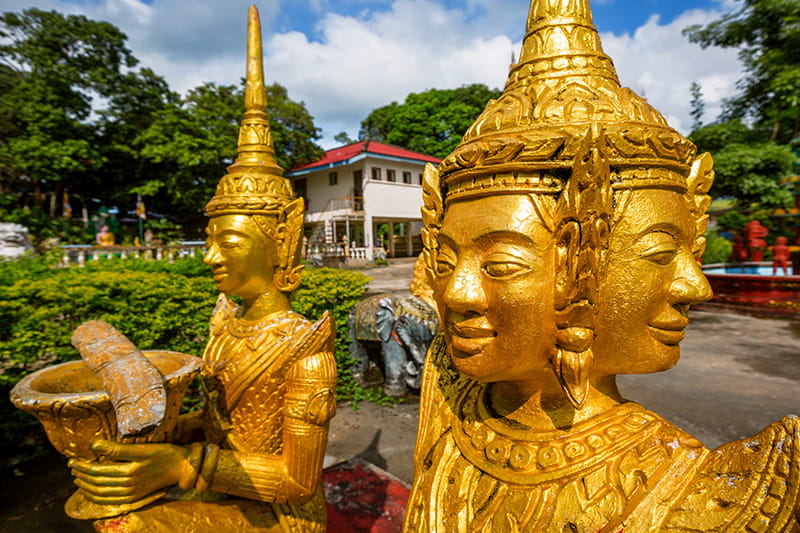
x,y
251,461
563,239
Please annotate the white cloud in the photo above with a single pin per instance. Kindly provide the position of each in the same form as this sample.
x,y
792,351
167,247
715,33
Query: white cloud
x,y
363,63
660,64
356,63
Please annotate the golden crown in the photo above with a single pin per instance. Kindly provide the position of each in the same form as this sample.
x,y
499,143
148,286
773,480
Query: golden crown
x,y
563,83
254,183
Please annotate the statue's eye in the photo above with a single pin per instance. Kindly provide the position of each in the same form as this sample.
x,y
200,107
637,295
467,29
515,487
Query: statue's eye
x,y
444,266
504,269
228,245
661,256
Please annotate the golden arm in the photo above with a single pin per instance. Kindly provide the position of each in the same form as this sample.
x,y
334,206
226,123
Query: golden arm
x,y
293,476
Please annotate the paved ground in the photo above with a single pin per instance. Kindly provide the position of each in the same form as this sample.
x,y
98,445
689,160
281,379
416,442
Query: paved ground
x,y
737,374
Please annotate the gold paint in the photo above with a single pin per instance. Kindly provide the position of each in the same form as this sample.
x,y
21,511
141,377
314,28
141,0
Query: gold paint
x,y
562,239
252,459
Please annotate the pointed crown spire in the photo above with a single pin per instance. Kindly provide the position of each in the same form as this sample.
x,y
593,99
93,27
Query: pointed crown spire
x,y
562,84
254,183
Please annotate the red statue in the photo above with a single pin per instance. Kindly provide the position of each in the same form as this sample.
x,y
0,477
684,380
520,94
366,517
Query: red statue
x,y
780,256
754,233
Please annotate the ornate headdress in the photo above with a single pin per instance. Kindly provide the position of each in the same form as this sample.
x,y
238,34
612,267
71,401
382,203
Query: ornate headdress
x,y
254,183
565,126
562,84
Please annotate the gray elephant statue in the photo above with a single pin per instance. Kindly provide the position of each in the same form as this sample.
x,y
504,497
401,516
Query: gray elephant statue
x,y
403,328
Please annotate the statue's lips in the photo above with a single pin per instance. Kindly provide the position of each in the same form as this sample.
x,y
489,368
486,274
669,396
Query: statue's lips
x,y
219,275
668,332
470,337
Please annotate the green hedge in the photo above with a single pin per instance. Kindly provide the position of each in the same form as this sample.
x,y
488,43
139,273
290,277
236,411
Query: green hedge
x,y
156,304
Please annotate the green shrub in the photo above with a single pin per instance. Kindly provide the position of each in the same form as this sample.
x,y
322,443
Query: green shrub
x,y
718,249
158,305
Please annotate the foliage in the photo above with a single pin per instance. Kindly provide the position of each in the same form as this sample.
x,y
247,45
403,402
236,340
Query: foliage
x,y
697,105
748,167
767,34
431,122
718,249
732,221
54,65
75,114
158,305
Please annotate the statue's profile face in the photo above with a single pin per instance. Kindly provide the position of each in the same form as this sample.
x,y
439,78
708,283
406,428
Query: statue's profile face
x,y
242,260
653,276
494,288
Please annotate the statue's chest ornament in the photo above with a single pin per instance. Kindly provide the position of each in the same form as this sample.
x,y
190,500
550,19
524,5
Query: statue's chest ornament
x,y
521,456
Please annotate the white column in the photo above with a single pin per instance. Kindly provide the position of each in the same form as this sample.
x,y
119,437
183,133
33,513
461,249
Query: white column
x,y
409,239
391,239
369,236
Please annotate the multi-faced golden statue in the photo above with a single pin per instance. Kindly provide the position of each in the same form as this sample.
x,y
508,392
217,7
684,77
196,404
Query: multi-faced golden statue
x,y
251,461
562,240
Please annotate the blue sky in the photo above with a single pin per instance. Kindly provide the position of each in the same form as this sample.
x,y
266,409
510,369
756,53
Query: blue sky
x,y
343,58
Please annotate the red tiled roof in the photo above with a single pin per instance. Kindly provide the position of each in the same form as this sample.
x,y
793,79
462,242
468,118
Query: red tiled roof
x,y
343,153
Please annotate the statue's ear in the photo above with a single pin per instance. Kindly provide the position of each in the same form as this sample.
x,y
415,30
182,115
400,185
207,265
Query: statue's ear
x,y
290,238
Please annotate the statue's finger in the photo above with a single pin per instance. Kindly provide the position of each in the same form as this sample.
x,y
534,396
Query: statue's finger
x,y
124,452
103,491
94,468
105,481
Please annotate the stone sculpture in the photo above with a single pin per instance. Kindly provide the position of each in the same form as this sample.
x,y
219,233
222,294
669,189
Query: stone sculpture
x,y
251,461
14,240
403,328
563,237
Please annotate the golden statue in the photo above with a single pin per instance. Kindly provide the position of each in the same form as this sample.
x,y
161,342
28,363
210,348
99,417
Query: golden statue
x,y
251,461
562,240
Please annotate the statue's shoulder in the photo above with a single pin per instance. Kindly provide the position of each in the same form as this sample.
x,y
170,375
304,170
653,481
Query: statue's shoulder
x,y
313,347
753,481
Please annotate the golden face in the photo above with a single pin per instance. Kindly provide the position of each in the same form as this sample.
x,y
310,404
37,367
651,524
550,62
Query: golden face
x,y
653,276
494,288
242,260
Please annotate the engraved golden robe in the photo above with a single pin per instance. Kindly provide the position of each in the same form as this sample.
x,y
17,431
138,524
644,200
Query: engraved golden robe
x,y
626,469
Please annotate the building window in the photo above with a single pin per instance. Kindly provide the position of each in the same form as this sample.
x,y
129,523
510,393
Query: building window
x,y
390,175
333,178
376,173
419,177
406,177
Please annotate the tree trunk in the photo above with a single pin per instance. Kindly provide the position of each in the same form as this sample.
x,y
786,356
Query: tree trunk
x,y
776,128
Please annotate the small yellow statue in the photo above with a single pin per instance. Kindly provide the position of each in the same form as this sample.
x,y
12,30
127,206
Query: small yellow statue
x,y
563,238
251,461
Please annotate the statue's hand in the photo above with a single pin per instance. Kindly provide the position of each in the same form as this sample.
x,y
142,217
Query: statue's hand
x,y
129,472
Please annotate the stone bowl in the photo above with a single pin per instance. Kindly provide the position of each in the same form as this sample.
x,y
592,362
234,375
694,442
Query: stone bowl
x,y
69,402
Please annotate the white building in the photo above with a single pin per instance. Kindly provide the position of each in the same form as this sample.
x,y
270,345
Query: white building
x,y
361,194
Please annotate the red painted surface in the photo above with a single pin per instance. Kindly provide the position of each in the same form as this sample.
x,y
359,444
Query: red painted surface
x,y
362,498
343,153
778,293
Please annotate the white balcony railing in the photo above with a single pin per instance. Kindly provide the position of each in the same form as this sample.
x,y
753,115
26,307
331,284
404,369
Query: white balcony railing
x,y
79,254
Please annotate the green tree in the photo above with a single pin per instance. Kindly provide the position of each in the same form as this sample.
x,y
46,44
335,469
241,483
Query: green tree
x,y
431,122
190,143
697,105
767,33
53,66
748,167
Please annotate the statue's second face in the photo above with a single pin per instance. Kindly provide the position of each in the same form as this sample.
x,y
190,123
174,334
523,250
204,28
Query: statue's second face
x,y
494,287
242,261
653,276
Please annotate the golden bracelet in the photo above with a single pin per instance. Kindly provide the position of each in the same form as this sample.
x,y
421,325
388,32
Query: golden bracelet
x,y
206,477
195,457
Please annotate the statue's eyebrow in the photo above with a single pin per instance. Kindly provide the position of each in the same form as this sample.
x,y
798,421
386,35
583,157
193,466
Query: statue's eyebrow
x,y
670,228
